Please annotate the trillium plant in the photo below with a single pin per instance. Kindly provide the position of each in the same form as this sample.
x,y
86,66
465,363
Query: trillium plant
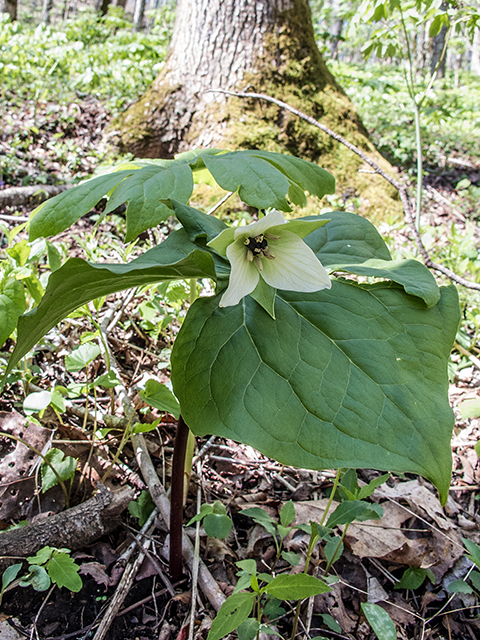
x,y
317,347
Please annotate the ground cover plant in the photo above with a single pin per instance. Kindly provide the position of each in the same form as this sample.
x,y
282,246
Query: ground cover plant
x,y
306,552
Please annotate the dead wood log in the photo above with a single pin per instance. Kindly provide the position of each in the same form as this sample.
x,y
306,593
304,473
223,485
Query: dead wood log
x,y
74,528
35,194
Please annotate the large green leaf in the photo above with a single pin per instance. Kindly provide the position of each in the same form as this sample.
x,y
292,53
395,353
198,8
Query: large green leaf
x,y
264,178
144,191
362,384
296,587
307,175
78,282
59,213
346,239
12,305
351,243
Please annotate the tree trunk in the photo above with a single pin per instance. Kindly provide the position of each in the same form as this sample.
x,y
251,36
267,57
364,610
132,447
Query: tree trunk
x,y
10,7
138,14
268,47
46,11
475,59
438,45
102,6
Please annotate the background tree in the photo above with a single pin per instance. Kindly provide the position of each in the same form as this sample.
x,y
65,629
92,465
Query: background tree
x,y
268,47
10,7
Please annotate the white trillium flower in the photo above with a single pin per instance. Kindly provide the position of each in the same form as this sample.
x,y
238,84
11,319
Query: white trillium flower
x,y
271,249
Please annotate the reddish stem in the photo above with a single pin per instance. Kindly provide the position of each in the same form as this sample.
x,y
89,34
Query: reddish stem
x,y
176,500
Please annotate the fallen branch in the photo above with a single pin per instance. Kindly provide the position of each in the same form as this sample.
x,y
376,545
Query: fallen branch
x,y
36,194
401,188
74,528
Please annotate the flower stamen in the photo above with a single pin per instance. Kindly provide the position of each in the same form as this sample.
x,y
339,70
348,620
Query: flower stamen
x,y
257,247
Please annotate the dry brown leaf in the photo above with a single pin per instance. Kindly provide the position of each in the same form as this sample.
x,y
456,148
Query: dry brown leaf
x,y
420,499
17,462
96,571
333,604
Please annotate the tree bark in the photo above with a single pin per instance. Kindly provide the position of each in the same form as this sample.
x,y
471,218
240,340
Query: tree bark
x,y
138,14
10,7
268,47
46,11
438,44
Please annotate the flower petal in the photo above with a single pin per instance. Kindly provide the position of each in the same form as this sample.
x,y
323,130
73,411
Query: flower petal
x,y
243,277
221,242
272,219
296,267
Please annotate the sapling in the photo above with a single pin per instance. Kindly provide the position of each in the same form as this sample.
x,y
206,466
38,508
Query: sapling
x,y
292,354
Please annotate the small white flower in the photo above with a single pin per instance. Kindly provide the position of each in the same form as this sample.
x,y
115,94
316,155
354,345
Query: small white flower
x,y
271,249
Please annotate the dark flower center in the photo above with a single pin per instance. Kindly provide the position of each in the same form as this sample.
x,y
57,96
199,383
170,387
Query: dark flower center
x,y
257,245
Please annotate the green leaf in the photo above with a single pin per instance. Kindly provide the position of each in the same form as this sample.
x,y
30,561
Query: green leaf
x,y
64,572
331,623
296,587
20,252
412,578
333,549
78,282
59,213
141,508
54,256
198,224
64,465
42,556
217,525
346,240
248,629
459,586
249,566
287,513
469,408
411,274
380,621
37,578
107,381
12,305
82,356
367,490
292,558
307,175
264,294
145,189
232,613
261,517
348,512
259,184
475,579
362,251
474,551
354,376
9,575
159,396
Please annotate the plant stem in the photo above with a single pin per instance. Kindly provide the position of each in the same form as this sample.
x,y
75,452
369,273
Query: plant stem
x,y
176,500
332,495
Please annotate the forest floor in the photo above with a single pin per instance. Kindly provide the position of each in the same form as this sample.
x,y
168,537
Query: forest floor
x,y
415,532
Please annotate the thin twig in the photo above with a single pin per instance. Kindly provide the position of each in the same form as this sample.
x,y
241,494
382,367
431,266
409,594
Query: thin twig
x,y
402,191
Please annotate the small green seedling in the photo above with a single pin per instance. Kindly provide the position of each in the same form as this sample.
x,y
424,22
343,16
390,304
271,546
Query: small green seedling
x,y
49,565
214,519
